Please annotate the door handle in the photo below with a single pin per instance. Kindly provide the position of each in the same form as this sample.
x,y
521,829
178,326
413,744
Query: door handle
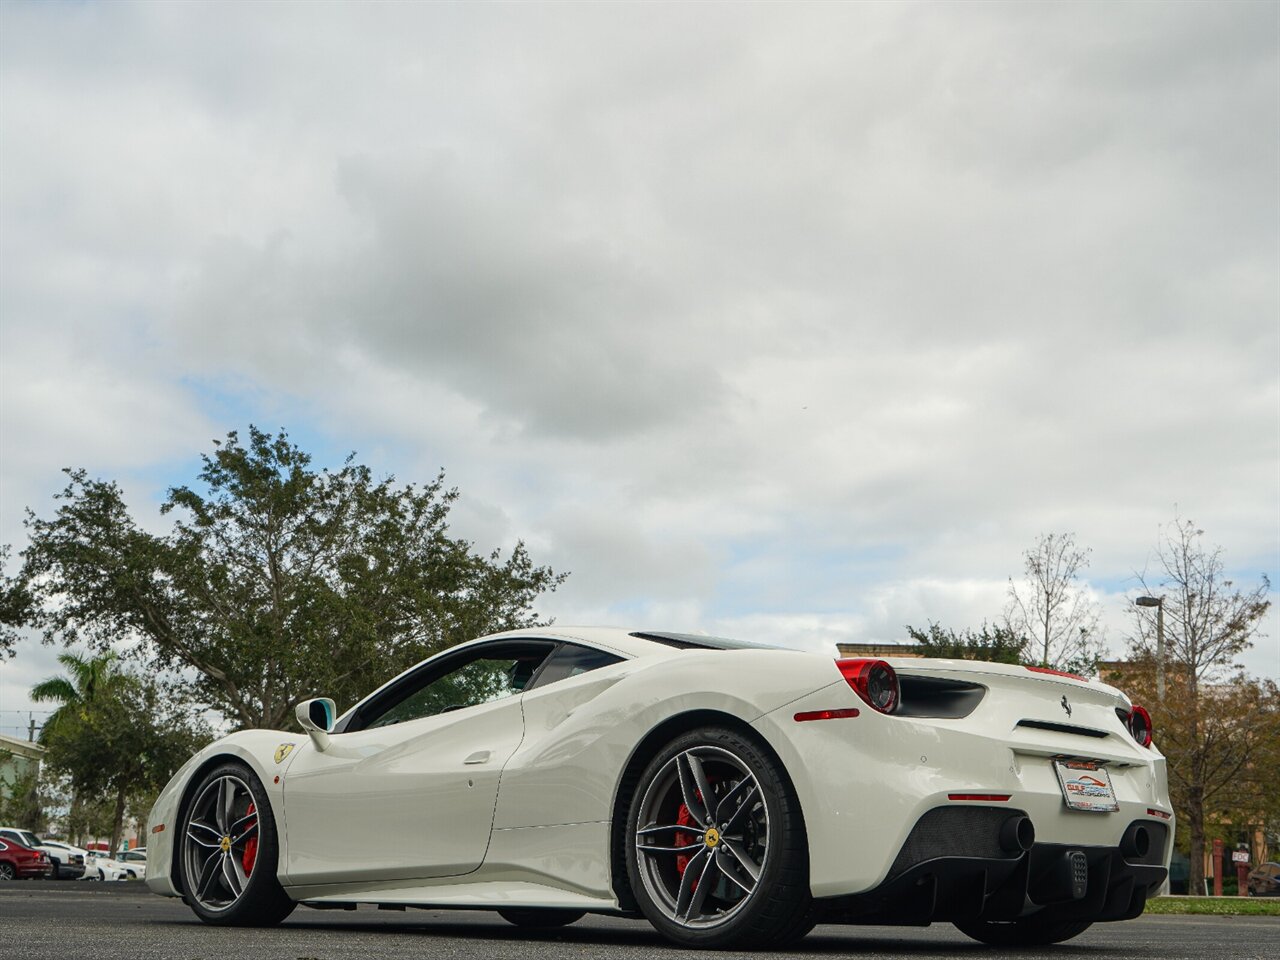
x,y
480,756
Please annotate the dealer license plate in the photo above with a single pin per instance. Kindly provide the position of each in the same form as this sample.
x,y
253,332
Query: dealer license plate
x,y
1086,786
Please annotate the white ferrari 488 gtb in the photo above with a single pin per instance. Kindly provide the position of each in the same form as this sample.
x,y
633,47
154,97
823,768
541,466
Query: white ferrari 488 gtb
x,y
732,794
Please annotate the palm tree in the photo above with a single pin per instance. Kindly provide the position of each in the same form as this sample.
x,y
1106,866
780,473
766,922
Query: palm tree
x,y
87,679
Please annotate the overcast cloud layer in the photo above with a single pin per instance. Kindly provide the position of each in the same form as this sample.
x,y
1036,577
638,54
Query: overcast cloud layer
x,y
793,322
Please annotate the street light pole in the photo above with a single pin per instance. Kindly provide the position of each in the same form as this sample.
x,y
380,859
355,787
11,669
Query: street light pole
x,y
1158,603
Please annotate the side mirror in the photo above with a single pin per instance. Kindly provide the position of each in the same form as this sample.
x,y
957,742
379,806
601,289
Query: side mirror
x,y
316,717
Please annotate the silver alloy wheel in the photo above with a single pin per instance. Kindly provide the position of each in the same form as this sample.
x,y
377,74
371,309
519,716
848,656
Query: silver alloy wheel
x,y
702,836
222,821
7,872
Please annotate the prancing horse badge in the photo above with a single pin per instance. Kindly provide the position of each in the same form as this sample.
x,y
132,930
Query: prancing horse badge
x,y
283,751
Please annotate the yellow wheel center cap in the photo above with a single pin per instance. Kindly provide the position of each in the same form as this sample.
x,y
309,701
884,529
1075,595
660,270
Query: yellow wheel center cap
x,y
225,844
712,838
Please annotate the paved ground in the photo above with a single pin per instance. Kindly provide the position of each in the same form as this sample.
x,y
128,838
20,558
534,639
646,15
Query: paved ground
x,y
42,921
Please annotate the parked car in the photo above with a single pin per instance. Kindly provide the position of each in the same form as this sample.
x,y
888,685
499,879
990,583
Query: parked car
x,y
134,863
20,862
102,866
732,794
1264,880
68,861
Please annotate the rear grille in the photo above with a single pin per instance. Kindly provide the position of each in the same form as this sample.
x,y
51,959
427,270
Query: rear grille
x,y
954,832
1064,728
938,697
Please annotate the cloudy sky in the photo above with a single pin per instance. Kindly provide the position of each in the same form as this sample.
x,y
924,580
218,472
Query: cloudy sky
x,y
796,323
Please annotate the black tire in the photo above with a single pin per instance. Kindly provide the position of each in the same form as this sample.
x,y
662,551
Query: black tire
x,y
778,909
540,918
1031,932
261,902
7,872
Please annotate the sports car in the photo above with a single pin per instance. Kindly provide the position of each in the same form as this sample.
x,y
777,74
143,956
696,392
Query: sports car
x,y
732,794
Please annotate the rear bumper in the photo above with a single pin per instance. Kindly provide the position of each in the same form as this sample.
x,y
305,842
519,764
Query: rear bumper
x,y
864,783
974,879
34,871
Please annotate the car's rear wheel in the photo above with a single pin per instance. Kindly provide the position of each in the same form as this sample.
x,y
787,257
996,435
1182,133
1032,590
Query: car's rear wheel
x,y
229,850
538,918
1031,932
7,872
716,848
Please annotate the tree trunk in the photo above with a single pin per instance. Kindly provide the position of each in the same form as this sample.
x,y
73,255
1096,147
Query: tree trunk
x,y
117,825
1195,827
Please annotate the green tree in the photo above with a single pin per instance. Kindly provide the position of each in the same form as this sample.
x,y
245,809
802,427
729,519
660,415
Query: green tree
x,y
77,691
995,644
276,581
1217,727
127,739
86,678
15,607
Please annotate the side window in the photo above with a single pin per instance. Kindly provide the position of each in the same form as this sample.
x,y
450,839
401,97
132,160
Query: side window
x,y
492,673
569,660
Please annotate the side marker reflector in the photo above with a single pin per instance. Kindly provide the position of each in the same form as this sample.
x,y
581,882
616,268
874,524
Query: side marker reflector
x,y
826,715
998,797
1163,815
158,828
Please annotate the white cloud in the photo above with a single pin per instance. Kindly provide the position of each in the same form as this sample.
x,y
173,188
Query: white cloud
x,y
795,320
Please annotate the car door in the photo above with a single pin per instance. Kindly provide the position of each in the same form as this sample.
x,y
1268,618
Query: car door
x,y
408,785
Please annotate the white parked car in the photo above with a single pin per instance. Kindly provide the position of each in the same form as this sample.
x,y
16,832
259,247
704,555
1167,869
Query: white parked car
x,y
134,863
68,861
103,866
732,794
71,860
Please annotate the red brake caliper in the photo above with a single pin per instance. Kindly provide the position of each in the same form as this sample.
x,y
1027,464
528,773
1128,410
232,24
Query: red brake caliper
x,y
685,819
250,849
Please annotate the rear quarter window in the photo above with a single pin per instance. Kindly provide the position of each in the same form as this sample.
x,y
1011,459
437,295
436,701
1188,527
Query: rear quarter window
x,y
571,660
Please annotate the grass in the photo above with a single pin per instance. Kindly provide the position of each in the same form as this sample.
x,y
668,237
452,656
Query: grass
x,y
1219,906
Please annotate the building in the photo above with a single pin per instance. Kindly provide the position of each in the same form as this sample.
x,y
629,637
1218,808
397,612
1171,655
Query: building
x,y
18,758
878,650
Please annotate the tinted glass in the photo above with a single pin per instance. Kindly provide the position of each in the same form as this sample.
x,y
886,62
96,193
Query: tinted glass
x,y
479,681
689,641
571,660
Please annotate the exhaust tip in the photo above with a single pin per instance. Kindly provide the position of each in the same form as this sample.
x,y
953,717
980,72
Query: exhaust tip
x,y
1136,842
1017,835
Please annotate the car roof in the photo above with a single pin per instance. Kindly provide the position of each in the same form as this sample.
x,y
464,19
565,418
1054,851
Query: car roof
x,y
631,642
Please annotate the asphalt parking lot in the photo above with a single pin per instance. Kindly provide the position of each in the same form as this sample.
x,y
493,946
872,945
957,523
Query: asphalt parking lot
x,y
41,920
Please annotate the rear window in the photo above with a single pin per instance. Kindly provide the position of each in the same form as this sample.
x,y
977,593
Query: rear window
x,y
570,660
690,641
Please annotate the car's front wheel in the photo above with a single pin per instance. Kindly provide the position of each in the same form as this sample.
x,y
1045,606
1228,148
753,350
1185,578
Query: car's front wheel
x,y
716,849
1031,932
229,851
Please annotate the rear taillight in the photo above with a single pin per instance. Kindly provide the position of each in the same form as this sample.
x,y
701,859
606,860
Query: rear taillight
x,y
874,681
1140,725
